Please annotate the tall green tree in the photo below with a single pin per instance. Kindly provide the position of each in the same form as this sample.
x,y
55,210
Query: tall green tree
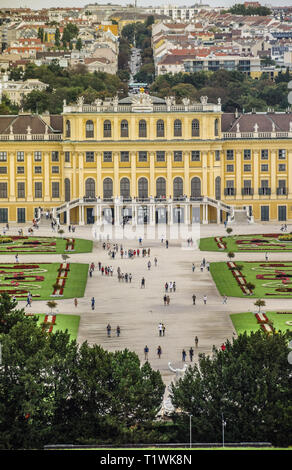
x,y
249,384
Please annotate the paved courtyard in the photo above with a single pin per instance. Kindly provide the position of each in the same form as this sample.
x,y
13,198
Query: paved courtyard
x,y
139,311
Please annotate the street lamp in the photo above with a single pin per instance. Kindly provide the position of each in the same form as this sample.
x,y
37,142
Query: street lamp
x,y
191,431
223,426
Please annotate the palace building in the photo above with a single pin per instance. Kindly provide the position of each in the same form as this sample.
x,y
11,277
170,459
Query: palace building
x,y
148,160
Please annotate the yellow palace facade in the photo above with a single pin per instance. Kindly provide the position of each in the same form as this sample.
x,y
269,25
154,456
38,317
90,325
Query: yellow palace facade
x,y
146,160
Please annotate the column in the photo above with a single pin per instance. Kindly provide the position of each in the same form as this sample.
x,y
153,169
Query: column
x,y
273,174
218,216
169,190
74,176
256,174
81,214
133,175
98,174
187,213
152,213
29,177
205,175
238,175
205,213
116,174
187,173
289,183
12,176
117,209
68,215
81,182
152,176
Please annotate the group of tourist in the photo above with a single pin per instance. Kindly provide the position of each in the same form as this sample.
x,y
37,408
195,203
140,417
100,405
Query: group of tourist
x,y
109,329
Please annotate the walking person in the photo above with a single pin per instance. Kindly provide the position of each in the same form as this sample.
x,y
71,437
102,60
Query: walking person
x,y
159,351
194,299
130,278
143,283
191,353
108,328
16,258
166,243
167,299
184,355
174,286
196,341
146,351
92,303
163,329
166,287
224,299
193,267
164,299
160,329
75,302
155,261
118,331
205,299
266,256
149,265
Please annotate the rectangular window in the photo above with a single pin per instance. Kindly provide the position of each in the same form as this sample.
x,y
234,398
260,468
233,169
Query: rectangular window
x,y
124,156
107,156
21,215
177,156
38,189
21,190
282,167
89,156
20,156
37,156
3,156
55,169
246,167
55,156
160,156
20,170
142,156
67,157
264,167
3,170
229,155
217,155
196,155
264,154
55,189
282,154
3,190
38,169
230,168
3,215
247,155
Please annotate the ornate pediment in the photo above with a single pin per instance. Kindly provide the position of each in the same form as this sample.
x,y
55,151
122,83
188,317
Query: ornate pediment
x,y
142,103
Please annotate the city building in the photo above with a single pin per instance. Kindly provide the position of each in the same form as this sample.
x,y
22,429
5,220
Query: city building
x,y
149,159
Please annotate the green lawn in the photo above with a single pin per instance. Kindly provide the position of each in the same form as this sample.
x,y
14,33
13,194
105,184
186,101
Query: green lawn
x,y
246,243
63,322
55,245
42,289
265,288
247,321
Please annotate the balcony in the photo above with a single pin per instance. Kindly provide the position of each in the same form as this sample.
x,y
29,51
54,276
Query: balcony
x,y
264,191
229,191
282,191
247,191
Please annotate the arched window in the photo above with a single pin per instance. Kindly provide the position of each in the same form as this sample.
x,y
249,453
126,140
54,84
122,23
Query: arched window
x,y
124,128
89,129
218,188
107,129
67,190
178,187
216,127
107,188
160,128
142,128
177,128
143,188
68,129
196,187
160,187
125,187
195,128
90,187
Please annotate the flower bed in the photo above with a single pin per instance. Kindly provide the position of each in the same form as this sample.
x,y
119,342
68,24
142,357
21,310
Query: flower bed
x,y
240,279
49,323
220,243
61,280
263,320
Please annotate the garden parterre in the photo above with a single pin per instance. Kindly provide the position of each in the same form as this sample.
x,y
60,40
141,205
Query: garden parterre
x,y
30,245
248,243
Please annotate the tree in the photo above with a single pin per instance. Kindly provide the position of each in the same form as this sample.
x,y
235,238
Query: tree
x,y
249,382
229,230
230,255
9,315
260,303
79,44
52,304
57,37
250,286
